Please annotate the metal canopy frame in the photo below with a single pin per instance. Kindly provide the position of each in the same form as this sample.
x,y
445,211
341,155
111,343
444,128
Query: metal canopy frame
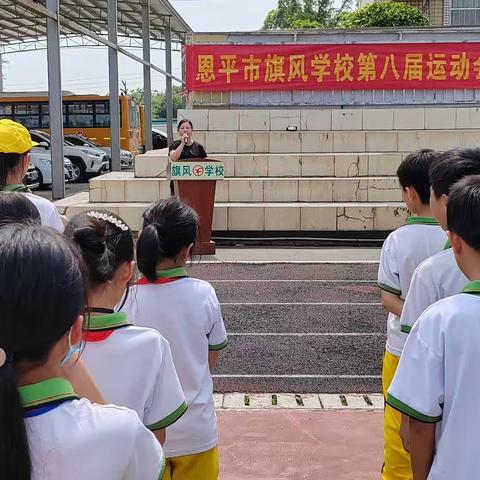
x,y
117,24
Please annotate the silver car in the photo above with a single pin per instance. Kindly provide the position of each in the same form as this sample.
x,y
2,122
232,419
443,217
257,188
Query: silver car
x,y
42,163
126,157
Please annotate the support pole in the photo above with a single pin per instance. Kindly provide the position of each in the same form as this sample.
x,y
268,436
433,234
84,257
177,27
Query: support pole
x,y
147,77
1,73
55,101
184,74
113,85
168,79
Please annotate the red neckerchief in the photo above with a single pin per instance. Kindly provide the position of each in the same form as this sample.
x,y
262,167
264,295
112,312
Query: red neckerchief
x,y
97,336
146,281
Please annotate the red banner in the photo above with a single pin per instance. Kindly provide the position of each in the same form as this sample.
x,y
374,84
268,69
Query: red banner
x,y
333,67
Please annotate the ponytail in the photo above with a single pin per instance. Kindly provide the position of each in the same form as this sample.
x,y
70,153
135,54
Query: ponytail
x,y
105,242
149,251
168,227
15,462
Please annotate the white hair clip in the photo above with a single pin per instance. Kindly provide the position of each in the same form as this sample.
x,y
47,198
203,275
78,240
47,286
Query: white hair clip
x,y
108,218
3,357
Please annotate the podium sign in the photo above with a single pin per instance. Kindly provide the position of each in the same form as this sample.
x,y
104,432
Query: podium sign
x,y
206,170
194,183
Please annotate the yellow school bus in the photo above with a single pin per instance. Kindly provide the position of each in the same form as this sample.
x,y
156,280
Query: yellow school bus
x,y
88,115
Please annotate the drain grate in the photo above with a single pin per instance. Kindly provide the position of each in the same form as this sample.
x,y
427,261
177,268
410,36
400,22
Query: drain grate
x,y
306,401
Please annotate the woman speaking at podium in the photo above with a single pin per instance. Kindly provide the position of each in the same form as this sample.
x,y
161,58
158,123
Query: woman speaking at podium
x,y
186,148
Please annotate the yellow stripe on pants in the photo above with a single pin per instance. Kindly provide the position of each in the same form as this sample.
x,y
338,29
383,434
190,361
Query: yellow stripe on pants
x,y
396,459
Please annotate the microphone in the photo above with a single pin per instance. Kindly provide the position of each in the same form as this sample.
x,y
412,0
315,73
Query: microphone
x,y
185,140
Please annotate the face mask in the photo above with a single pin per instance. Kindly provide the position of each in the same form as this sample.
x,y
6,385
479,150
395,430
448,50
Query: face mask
x,y
73,349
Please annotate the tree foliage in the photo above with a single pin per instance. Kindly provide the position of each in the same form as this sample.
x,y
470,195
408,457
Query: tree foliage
x,y
159,101
384,14
299,14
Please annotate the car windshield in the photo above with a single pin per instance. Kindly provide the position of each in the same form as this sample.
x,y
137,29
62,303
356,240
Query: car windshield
x,y
82,141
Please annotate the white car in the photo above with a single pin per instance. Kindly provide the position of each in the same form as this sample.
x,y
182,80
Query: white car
x,y
86,161
42,163
126,157
31,177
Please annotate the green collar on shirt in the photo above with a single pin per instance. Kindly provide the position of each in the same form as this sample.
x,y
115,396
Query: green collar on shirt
x,y
472,287
422,220
172,273
17,187
46,392
109,321
448,244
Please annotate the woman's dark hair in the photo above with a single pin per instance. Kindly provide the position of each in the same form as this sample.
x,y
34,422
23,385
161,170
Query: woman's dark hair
x,y
413,172
105,242
182,121
8,162
17,208
463,210
452,165
168,227
41,293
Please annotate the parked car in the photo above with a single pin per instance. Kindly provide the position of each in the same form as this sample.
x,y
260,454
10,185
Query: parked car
x,y
126,157
86,161
159,138
42,163
31,177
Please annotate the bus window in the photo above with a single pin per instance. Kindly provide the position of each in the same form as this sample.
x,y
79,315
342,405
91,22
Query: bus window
x,y
45,115
80,114
6,110
102,114
28,114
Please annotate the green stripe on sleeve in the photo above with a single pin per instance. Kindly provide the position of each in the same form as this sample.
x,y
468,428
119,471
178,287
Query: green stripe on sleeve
x,y
389,289
219,346
170,419
162,470
405,328
404,408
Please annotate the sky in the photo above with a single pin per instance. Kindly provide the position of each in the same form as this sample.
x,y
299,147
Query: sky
x,y
85,70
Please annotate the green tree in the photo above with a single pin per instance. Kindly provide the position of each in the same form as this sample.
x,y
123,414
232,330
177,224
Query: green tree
x,y
300,14
159,101
384,14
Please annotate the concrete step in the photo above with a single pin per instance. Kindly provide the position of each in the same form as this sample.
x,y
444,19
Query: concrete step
x,y
267,216
312,119
347,164
217,142
124,187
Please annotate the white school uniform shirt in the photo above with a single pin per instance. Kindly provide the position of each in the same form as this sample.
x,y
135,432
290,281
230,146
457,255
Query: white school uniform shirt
x,y
133,367
436,278
78,440
402,252
48,212
437,381
186,312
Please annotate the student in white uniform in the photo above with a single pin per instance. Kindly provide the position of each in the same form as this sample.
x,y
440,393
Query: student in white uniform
x,y
403,250
132,366
436,383
186,311
17,208
15,145
439,276
46,431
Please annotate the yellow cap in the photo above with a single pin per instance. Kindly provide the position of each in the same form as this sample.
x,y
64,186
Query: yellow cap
x,y
14,137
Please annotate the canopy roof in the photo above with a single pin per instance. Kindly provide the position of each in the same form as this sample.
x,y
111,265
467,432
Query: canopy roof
x,y
24,20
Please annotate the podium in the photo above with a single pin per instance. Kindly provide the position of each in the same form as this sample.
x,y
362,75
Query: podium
x,y
194,182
